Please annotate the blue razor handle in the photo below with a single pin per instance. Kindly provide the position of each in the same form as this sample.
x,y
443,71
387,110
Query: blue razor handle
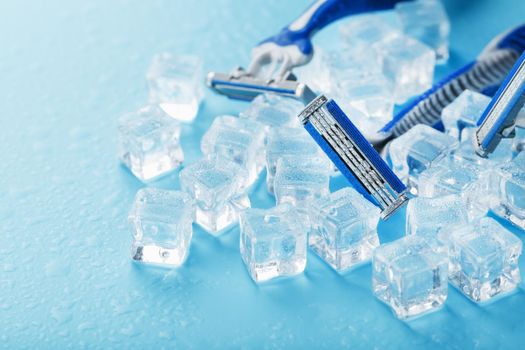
x,y
274,58
499,118
353,155
481,75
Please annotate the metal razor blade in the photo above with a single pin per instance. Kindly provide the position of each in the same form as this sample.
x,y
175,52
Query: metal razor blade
x,y
353,155
499,118
242,86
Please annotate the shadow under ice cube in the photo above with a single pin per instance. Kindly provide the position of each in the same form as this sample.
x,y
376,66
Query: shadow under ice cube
x,y
484,260
273,242
217,185
161,222
410,276
149,143
344,229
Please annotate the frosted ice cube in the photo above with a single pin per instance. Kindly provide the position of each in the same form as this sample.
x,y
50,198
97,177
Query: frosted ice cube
x,y
351,64
484,260
300,180
463,112
417,149
287,142
161,224
272,242
217,185
409,64
447,178
365,30
435,218
427,21
148,142
511,191
465,155
344,231
315,74
175,84
410,276
371,96
238,140
274,110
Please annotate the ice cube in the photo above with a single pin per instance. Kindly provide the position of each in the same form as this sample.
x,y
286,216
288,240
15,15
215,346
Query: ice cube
x,y
463,112
484,260
299,180
217,185
287,142
315,74
417,149
351,64
435,218
465,155
427,21
175,84
447,178
510,191
238,140
148,142
161,224
369,100
273,242
344,229
366,30
410,276
409,64
274,110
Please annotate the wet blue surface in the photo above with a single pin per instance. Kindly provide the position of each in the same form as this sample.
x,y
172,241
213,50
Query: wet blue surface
x,y
68,69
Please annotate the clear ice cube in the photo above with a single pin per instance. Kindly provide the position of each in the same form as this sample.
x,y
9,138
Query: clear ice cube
x,y
369,100
351,64
409,64
315,74
149,143
344,229
447,177
484,260
410,276
238,140
463,112
427,21
366,30
435,218
287,142
417,149
273,242
299,180
274,110
161,224
464,155
175,85
217,185
510,189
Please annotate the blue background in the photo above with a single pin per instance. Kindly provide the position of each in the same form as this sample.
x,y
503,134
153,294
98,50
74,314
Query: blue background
x,y
68,69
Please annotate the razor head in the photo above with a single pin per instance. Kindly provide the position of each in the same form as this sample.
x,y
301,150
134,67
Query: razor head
x,y
240,85
353,155
499,118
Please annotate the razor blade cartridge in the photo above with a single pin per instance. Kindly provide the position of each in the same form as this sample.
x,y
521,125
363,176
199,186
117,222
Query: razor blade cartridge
x,y
242,86
353,155
499,118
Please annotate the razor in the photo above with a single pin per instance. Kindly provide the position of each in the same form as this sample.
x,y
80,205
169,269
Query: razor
x,y
483,75
241,85
499,118
353,155
274,58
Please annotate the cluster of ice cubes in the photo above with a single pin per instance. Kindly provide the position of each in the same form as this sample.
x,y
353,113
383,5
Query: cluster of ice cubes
x,y
383,60
451,230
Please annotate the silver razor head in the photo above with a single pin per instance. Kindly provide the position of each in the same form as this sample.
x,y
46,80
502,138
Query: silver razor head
x,y
499,118
353,155
241,86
